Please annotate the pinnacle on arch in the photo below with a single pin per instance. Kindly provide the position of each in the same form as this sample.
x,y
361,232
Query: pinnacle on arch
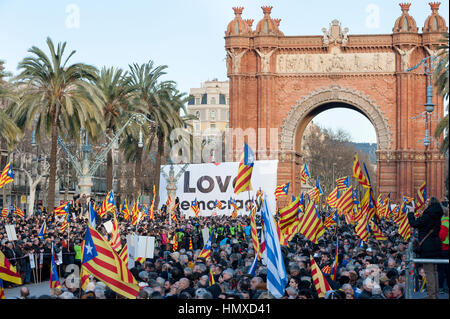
x,y
267,9
238,10
434,6
405,7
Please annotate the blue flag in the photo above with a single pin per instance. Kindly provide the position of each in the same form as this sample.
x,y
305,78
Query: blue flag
x,y
92,216
318,185
252,269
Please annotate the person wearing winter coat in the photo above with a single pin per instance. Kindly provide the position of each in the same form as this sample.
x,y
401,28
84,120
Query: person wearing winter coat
x,y
429,221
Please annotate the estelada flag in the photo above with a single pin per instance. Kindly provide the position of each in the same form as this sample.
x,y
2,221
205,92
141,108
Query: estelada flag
x,y
359,174
304,174
282,190
7,271
102,261
109,204
7,175
54,279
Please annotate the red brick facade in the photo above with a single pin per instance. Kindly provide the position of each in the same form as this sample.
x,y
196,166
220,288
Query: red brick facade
x,y
273,86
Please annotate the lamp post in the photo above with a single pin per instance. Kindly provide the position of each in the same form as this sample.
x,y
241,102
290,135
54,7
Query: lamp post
x,y
428,65
86,170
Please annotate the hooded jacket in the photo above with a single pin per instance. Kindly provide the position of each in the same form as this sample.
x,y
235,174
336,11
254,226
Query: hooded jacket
x,y
431,218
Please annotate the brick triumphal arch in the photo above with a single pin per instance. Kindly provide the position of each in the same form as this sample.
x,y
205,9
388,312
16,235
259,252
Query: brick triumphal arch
x,y
282,82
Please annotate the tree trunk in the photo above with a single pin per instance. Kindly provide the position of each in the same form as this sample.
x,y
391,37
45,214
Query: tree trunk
x,y
31,198
137,173
109,167
52,173
109,170
159,154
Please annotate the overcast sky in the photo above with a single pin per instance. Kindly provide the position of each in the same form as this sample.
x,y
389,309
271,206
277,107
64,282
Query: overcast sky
x,y
186,35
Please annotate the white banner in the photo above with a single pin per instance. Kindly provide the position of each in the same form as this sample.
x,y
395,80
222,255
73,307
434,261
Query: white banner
x,y
144,247
108,226
11,232
205,234
209,182
32,264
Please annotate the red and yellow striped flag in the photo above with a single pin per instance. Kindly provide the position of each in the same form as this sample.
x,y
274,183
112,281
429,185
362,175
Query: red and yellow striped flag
x,y
404,228
288,214
18,211
311,225
314,195
7,271
333,198
84,275
421,196
135,213
175,243
361,227
244,175
190,244
102,261
7,175
255,239
281,190
125,210
115,235
5,212
359,174
345,201
376,231
320,283
109,204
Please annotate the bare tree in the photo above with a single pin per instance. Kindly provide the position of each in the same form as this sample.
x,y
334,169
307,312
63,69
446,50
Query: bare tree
x,y
329,155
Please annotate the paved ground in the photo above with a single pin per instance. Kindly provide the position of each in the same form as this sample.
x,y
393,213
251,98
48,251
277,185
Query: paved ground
x,y
44,288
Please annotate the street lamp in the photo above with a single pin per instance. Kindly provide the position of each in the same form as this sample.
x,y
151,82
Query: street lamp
x,y
428,64
85,171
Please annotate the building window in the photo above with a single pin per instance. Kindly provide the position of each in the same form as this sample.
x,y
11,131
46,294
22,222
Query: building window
x,y
228,101
213,100
197,101
221,98
197,114
197,126
212,114
213,126
204,98
191,101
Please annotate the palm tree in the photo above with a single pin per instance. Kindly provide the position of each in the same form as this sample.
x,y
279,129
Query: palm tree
x,y
162,104
59,97
115,93
441,82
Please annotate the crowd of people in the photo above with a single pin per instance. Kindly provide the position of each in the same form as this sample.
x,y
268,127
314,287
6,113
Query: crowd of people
x,y
366,270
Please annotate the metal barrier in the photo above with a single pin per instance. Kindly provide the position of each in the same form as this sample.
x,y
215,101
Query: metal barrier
x,y
410,260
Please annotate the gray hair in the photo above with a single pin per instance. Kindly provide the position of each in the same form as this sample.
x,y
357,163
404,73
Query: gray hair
x,y
376,290
67,295
99,293
229,271
292,291
202,293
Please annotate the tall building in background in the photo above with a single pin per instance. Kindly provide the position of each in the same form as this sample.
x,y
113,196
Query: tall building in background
x,y
210,104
